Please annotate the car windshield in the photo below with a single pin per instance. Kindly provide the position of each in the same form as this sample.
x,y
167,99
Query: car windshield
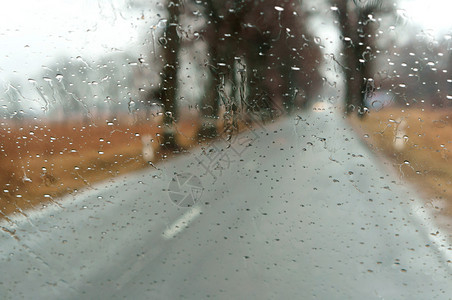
x,y
235,149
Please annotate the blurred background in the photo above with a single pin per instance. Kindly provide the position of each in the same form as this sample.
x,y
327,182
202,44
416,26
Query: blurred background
x,y
90,90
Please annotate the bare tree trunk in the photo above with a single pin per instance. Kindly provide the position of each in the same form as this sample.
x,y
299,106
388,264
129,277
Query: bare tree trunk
x,y
222,36
357,35
349,36
168,87
210,101
366,55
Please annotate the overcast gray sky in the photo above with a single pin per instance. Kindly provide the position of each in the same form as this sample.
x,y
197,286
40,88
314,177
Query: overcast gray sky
x,y
35,33
32,32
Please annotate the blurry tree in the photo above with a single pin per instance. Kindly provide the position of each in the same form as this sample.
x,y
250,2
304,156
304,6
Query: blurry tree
x,y
281,55
13,98
221,33
358,28
418,72
60,86
114,82
167,91
72,87
263,52
260,58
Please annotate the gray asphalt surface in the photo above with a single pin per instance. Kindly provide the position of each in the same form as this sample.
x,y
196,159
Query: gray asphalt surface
x,y
295,209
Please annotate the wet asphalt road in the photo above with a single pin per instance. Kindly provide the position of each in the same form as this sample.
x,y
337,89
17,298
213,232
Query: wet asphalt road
x,y
294,209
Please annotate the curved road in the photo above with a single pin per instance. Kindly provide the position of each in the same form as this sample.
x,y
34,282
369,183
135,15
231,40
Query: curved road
x,y
295,209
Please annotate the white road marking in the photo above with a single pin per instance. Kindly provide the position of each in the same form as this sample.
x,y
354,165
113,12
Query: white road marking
x,y
169,233
182,222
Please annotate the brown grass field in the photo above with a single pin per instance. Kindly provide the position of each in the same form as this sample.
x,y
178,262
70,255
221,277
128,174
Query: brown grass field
x,y
43,160
419,144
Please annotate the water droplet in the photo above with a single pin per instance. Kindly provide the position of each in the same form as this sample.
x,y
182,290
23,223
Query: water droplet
x,y
162,41
59,77
279,8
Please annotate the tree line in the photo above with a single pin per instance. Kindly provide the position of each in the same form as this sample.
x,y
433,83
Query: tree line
x,y
253,60
262,59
